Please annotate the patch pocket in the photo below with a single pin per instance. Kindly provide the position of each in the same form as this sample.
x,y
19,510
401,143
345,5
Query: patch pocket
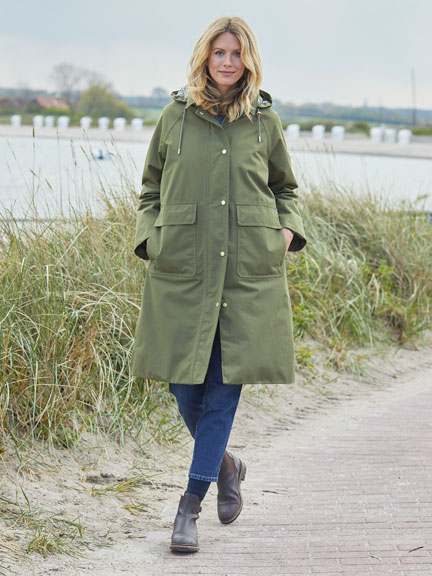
x,y
173,240
261,241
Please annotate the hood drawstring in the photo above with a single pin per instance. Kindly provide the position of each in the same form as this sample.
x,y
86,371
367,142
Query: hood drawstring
x,y
259,125
181,132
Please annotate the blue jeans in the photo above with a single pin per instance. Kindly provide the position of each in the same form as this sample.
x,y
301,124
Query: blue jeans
x,y
208,411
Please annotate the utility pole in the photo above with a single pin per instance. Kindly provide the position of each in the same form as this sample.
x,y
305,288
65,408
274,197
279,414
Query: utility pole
x,y
413,95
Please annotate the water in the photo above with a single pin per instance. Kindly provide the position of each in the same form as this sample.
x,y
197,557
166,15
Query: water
x,y
54,177
392,179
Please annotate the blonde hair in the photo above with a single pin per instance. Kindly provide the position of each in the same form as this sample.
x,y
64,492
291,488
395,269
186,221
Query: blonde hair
x,y
202,89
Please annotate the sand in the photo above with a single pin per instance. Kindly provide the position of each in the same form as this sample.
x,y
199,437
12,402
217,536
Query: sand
x,y
127,540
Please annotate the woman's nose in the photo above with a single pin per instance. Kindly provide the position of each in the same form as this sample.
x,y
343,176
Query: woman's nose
x,y
227,60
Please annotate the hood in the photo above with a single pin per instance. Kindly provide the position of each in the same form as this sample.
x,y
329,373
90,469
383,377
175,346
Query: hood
x,y
263,100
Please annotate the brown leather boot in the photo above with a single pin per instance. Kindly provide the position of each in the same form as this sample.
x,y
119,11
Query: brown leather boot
x,y
185,534
229,499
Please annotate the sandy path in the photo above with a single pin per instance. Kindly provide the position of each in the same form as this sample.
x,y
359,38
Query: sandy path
x,y
292,426
347,493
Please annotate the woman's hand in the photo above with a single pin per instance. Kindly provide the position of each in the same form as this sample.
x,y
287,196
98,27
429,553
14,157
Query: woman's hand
x,y
289,235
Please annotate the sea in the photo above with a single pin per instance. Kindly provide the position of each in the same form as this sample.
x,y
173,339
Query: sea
x,y
45,178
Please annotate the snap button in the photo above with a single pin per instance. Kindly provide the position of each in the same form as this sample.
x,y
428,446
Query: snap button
x,y
222,253
223,202
217,304
202,113
224,151
225,305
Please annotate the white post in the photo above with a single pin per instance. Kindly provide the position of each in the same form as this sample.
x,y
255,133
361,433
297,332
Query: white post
x,y
103,123
37,121
376,134
85,122
119,124
338,132
293,131
137,124
16,120
63,122
318,131
404,136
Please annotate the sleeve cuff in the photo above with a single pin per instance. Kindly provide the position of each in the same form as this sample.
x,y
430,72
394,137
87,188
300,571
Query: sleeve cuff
x,y
295,224
141,250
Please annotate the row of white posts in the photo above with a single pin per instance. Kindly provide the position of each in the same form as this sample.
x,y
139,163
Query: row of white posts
x,y
377,133
40,121
390,135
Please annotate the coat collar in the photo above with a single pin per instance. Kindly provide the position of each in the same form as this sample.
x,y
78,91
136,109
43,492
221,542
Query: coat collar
x,y
262,100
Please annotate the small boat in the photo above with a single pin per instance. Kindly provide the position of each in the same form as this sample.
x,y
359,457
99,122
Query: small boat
x,y
100,154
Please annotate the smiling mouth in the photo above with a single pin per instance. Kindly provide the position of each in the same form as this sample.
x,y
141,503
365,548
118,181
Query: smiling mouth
x,y
226,73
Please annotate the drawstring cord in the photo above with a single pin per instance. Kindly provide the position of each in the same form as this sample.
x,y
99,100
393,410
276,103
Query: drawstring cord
x,y
181,132
259,125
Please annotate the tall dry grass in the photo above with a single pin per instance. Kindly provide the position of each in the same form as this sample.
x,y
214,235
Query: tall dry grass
x,y
70,293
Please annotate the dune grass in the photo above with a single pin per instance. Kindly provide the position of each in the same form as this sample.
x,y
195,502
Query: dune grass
x,y
366,275
30,528
70,293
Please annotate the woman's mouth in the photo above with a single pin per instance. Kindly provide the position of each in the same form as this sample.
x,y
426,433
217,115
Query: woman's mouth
x,y
226,73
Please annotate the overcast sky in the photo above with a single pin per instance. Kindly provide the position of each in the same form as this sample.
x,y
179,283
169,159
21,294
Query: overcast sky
x,y
344,51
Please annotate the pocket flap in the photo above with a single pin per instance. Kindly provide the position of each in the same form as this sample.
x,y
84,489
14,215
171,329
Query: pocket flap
x,y
257,215
172,214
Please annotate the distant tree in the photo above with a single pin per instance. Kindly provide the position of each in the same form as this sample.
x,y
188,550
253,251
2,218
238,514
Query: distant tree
x,y
93,78
67,79
159,93
33,108
98,101
70,80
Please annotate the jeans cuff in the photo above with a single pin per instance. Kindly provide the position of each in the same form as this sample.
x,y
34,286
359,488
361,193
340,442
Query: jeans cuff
x,y
205,478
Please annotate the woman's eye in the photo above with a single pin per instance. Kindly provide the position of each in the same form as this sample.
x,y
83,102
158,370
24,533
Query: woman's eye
x,y
237,54
219,53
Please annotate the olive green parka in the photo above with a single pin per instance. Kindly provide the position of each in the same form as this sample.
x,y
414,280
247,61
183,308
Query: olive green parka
x,y
213,204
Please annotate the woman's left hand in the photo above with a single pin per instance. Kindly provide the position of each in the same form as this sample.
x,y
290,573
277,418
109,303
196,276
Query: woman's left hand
x,y
289,235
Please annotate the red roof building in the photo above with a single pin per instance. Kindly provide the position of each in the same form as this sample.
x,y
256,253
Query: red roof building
x,y
51,102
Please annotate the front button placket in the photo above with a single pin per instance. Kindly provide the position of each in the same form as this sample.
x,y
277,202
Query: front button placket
x,y
217,196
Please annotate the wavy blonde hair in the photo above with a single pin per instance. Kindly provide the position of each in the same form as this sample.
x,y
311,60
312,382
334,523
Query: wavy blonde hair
x,y
202,88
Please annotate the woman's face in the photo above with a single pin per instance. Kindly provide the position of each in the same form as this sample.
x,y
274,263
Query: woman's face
x,y
224,63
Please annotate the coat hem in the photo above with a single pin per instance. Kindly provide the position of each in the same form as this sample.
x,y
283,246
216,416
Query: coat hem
x,y
188,382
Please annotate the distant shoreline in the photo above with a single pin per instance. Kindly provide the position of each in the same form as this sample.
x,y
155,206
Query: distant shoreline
x,y
358,144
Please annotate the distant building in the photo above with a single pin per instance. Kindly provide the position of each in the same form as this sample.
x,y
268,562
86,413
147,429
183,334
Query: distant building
x,y
50,102
13,102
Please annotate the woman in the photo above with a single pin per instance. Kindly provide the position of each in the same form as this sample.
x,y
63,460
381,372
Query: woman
x,y
216,217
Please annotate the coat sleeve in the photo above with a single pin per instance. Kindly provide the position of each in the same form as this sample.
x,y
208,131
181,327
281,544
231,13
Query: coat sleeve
x,y
283,183
149,198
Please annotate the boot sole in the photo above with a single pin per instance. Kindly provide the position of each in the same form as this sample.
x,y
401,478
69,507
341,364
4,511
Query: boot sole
x,y
183,548
242,476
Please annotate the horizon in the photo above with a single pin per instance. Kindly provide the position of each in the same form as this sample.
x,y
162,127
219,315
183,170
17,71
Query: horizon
x,y
54,93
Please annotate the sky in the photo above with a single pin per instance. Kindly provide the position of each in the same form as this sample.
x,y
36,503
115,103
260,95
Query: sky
x,y
348,52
